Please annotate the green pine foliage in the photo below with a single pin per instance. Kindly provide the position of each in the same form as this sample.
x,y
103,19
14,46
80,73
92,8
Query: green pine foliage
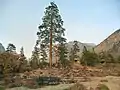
x,y
62,50
71,55
51,30
22,51
43,53
74,51
11,48
51,20
43,56
35,58
89,58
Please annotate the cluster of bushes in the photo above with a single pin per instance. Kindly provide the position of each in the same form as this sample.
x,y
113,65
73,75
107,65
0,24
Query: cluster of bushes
x,y
91,58
12,63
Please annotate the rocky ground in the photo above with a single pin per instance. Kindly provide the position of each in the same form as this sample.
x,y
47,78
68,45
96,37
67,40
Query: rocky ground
x,y
111,81
88,76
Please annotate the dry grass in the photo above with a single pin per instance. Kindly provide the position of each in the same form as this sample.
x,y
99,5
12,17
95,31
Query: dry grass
x,y
77,86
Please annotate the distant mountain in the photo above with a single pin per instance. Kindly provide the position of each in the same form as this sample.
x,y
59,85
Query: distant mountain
x,y
110,45
89,46
2,49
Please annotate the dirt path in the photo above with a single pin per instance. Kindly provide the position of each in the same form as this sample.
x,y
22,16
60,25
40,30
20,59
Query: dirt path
x,y
111,81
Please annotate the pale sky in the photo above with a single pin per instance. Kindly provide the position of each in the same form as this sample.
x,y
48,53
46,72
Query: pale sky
x,y
88,21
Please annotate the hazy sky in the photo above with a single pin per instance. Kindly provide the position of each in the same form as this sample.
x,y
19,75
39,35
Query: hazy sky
x,y
85,20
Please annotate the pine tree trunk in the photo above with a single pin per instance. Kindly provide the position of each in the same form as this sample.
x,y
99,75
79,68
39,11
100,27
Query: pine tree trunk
x,y
50,52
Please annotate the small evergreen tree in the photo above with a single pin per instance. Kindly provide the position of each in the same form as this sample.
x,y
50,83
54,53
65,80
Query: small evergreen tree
x,y
22,51
71,55
74,51
22,60
62,50
35,58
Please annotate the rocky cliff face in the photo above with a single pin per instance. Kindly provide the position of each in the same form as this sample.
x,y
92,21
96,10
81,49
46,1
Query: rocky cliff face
x,y
2,49
110,44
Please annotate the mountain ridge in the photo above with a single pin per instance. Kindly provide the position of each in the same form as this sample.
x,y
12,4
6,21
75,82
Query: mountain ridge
x,y
2,49
110,45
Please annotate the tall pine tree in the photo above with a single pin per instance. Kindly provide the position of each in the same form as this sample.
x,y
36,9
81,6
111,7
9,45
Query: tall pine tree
x,y
51,30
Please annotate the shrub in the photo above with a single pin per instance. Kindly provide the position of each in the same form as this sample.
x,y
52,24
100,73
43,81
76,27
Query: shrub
x,y
89,58
2,88
11,63
102,87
